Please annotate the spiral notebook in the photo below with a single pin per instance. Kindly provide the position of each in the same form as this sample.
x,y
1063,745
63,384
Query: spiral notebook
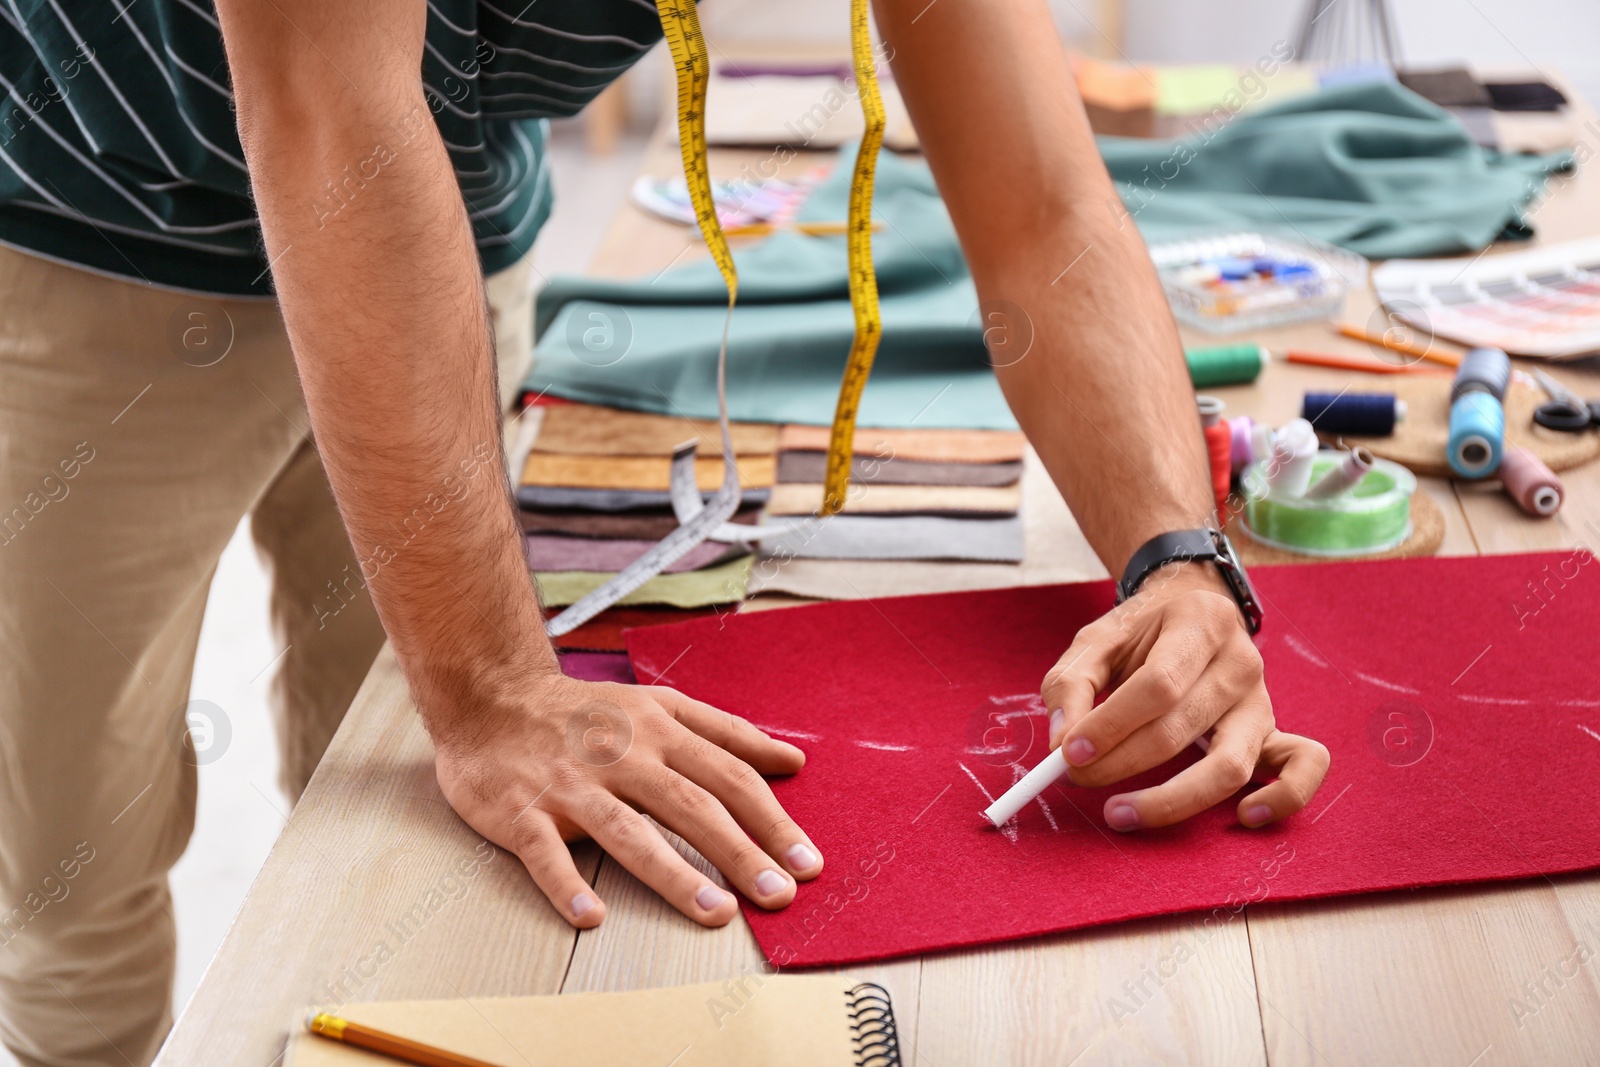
x,y
772,1020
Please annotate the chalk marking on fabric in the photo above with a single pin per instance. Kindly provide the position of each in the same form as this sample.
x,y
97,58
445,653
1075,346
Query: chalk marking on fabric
x,y
934,801
885,746
1010,827
1473,664
1332,802
780,732
1588,731
1513,701
1303,651
1391,686
656,676
1580,703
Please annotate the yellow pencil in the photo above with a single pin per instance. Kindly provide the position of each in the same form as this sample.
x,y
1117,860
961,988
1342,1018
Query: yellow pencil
x,y
401,1048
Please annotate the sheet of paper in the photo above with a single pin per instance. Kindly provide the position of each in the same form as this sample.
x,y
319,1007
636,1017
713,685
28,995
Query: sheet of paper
x,y
774,1020
1457,696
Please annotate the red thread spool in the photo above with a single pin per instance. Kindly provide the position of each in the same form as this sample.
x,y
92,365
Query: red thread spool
x,y
1534,487
1219,446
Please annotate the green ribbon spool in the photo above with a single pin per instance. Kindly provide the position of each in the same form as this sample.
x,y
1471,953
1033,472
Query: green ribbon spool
x,y
1372,517
1224,365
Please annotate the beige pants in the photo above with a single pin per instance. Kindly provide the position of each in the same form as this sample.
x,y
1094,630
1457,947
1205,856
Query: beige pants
x,y
137,426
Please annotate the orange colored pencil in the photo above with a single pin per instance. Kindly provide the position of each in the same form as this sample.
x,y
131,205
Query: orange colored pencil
x,y
401,1048
1360,363
1427,351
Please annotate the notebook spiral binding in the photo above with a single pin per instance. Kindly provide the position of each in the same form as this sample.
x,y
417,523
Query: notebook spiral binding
x,y
872,1029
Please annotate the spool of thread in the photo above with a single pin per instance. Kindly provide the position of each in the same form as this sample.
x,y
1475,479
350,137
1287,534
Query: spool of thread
x,y
1483,370
1343,476
1534,486
1375,517
1361,414
1241,429
1219,446
1477,435
1261,440
1289,466
1225,364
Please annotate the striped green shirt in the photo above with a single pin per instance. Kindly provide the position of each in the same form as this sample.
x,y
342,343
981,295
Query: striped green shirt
x,y
119,150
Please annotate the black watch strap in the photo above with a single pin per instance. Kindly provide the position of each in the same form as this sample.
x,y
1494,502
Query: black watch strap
x,y
1182,546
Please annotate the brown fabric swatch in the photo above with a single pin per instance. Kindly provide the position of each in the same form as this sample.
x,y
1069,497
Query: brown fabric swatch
x,y
589,429
634,525
941,446
803,499
573,471
553,552
813,467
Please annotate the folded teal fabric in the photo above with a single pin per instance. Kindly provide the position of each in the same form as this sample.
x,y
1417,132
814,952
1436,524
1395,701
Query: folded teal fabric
x,y
651,344
1372,167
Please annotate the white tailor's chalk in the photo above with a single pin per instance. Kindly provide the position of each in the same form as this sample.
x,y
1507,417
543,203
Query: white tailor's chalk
x,y
1036,781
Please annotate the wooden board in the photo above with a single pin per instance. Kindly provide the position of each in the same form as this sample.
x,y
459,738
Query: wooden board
x,y
1391,978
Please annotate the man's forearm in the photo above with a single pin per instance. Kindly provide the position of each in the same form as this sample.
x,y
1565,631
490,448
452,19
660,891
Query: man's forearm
x,y
1102,394
379,283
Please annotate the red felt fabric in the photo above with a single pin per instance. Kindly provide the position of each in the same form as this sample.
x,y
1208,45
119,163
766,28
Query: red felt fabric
x,y
1459,697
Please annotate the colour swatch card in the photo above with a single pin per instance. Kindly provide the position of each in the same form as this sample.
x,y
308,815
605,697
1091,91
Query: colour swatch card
x,y
1541,302
1460,699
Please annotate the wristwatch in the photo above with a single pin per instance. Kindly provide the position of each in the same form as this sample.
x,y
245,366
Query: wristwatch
x,y
1182,546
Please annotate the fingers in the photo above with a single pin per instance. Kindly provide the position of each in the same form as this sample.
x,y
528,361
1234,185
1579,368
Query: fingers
x,y
1170,670
1076,679
766,754
749,800
1300,763
696,816
1225,768
548,859
639,847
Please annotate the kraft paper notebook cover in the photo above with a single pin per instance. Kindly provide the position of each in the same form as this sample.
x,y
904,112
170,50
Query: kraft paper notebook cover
x,y
749,1020
1458,698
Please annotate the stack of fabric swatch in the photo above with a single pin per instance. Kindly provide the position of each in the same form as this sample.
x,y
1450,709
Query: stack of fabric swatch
x,y
594,496
914,495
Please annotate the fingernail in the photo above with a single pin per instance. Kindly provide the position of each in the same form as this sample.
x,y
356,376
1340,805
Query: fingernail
x,y
581,903
1123,817
1080,750
770,883
800,858
710,897
1057,717
1257,815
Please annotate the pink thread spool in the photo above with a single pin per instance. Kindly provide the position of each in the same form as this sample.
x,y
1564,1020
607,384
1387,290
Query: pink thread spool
x,y
1534,487
1240,428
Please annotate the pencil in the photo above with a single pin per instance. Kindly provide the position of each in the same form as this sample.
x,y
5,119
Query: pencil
x,y
1361,363
1427,351
401,1048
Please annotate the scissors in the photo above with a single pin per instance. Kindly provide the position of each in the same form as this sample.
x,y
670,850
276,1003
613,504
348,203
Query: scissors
x,y
1567,411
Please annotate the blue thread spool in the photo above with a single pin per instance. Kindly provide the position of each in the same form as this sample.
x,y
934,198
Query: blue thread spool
x,y
1477,413
1361,414
1477,435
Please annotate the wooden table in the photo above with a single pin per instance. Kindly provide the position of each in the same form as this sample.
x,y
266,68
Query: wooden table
x,y
363,896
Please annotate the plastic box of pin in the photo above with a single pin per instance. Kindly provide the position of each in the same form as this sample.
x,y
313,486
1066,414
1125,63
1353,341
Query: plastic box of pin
x,y
1233,282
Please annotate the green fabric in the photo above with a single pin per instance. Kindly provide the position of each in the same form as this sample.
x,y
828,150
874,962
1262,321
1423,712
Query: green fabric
x,y
1373,167
653,341
724,583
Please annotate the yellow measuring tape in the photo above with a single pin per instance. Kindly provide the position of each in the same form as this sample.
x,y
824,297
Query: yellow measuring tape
x,y
681,24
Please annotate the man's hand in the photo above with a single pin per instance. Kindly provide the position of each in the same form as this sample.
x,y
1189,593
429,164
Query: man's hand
x,y
576,759
1181,668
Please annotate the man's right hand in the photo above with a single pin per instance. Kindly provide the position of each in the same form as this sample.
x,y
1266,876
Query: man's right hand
x,y
570,759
